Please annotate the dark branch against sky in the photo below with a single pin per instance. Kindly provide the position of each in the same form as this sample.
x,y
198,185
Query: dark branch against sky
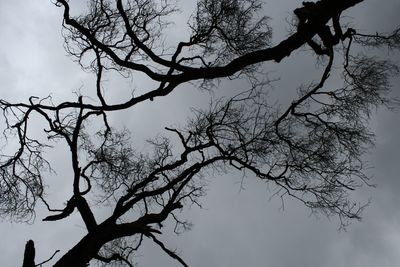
x,y
236,228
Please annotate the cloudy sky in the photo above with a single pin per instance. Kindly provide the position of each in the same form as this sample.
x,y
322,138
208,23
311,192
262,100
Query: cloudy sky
x,y
236,227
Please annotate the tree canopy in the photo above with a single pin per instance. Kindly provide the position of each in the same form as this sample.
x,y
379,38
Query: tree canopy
x,y
310,150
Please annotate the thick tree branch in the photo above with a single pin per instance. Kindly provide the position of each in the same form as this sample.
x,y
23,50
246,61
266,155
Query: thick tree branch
x,y
29,254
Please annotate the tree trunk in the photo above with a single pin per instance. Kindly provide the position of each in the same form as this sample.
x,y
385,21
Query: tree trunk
x,y
29,254
81,254
89,246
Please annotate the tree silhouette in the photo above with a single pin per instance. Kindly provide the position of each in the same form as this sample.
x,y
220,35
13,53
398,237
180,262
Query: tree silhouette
x,y
311,150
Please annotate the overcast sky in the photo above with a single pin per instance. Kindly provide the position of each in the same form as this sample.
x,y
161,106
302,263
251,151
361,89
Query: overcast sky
x,y
235,228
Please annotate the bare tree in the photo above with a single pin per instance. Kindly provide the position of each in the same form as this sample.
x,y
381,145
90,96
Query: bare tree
x,y
311,150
